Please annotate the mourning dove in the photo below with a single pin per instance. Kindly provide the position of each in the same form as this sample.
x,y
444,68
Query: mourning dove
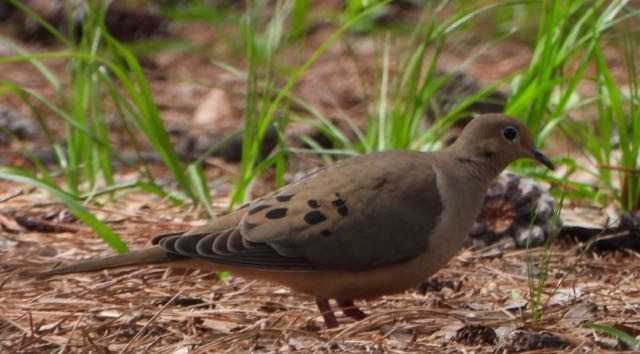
x,y
367,226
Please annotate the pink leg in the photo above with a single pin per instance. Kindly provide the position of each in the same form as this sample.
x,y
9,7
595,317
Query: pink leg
x,y
351,310
326,312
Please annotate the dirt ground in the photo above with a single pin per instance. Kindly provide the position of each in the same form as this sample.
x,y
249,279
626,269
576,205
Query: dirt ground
x,y
478,303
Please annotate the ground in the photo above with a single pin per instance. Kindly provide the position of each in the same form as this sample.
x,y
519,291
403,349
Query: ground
x,y
481,302
165,310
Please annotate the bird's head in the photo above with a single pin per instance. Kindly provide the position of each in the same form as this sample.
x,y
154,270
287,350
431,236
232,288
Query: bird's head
x,y
497,140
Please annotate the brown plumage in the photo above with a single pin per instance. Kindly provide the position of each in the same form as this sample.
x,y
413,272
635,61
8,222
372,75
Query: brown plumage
x,y
367,226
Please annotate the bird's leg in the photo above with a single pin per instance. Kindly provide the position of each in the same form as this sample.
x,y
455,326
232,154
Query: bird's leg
x,y
326,312
351,310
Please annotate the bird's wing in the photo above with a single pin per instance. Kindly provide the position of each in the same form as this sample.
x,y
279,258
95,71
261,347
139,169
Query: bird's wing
x,y
366,212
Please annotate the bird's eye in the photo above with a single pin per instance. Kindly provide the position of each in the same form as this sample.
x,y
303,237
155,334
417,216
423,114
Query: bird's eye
x,y
510,133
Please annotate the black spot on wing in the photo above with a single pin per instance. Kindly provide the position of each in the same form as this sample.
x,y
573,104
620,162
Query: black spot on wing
x,y
326,233
338,202
314,217
343,210
258,209
284,197
244,205
313,203
276,213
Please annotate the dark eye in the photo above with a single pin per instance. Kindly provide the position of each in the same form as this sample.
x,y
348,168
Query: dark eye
x,y
510,133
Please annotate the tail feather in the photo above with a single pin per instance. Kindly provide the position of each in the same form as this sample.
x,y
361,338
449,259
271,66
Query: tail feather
x,y
152,255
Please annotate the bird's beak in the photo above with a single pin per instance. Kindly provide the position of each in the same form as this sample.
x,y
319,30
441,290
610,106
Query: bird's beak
x,y
538,156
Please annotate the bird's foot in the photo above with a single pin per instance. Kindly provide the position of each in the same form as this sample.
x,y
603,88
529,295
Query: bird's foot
x,y
326,312
347,306
351,310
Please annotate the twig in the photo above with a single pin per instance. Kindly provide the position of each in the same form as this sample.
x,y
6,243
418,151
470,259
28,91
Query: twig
x,y
9,197
619,168
150,321
73,330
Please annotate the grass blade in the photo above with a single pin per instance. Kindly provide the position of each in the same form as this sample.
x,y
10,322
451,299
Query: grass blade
x,y
102,230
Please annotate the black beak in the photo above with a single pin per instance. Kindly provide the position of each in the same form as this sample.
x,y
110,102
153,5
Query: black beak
x,y
538,156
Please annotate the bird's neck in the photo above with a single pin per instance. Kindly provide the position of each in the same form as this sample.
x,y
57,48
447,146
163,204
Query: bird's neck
x,y
477,167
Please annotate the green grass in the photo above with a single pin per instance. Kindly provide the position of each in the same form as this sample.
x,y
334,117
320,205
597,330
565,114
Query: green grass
x,y
538,274
396,112
568,34
569,40
98,67
261,47
71,201
618,117
629,340
260,109
612,141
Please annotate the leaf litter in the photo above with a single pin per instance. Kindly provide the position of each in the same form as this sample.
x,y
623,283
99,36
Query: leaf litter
x,y
478,303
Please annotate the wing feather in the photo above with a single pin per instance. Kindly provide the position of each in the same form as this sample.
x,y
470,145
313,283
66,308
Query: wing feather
x,y
341,219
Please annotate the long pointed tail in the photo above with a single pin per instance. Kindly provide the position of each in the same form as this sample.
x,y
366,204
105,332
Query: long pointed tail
x,y
152,255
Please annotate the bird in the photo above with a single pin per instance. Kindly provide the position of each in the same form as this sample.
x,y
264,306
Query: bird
x,y
364,227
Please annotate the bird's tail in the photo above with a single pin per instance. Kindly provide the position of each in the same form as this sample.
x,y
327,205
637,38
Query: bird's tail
x,y
152,255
